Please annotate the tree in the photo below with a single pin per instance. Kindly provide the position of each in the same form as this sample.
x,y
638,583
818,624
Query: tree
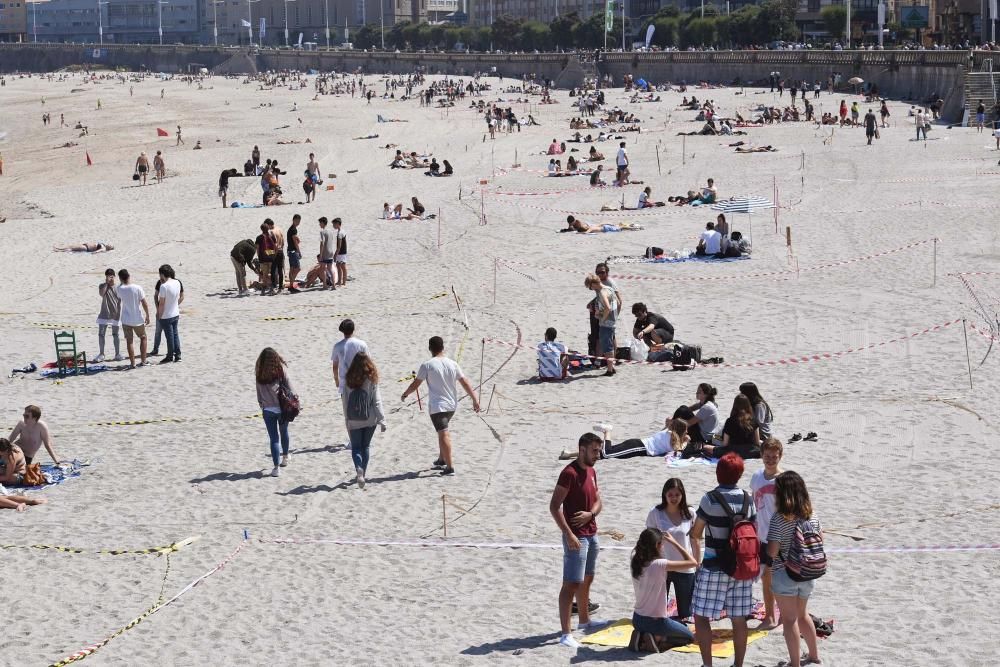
x,y
534,35
505,32
699,32
777,20
561,29
367,37
834,19
666,30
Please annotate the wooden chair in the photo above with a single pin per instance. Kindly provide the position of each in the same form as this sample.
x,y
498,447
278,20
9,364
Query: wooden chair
x,y
67,357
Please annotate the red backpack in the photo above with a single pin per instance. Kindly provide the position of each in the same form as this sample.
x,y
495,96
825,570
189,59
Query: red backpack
x,y
741,560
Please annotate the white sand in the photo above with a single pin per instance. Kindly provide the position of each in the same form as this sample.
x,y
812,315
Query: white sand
x,y
901,433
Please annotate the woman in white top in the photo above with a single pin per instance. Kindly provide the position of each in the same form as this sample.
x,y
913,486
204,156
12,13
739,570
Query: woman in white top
x,y
649,576
673,517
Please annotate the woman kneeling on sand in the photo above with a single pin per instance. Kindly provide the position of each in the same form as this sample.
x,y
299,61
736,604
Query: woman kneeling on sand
x,y
649,580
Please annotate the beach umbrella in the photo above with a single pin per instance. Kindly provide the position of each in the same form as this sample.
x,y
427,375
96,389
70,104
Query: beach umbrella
x,y
856,81
748,204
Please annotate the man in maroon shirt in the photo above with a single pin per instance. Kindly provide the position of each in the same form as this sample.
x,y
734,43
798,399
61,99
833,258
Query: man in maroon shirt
x,y
575,504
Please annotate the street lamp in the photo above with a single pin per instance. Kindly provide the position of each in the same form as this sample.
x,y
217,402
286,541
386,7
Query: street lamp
x,y
159,16
34,21
381,21
100,21
250,19
326,18
286,20
215,19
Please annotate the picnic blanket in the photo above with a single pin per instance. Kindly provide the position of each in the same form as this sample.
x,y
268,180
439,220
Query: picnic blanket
x,y
618,634
91,369
675,461
239,204
56,475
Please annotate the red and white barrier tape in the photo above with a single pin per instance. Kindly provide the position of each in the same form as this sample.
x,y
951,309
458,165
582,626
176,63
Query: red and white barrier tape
x,y
783,275
93,648
987,336
544,193
616,547
789,361
656,210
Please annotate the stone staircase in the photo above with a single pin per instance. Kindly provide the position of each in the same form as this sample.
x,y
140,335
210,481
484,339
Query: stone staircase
x,y
981,86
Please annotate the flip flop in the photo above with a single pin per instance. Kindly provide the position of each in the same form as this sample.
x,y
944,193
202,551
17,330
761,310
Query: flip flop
x,y
811,437
795,438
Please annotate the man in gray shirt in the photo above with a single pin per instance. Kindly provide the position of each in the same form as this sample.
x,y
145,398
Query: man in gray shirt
x,y
327,251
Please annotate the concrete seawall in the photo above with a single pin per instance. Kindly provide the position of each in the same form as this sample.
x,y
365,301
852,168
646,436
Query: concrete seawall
x,y
900,74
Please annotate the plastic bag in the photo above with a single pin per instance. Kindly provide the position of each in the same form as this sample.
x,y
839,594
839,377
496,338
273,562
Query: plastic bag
x,y
638,350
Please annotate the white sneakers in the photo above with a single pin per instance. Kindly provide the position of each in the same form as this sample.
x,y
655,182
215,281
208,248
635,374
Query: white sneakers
x,y
568,641
361,477
119,357
99,358
592,625
603,428
275,472
284,460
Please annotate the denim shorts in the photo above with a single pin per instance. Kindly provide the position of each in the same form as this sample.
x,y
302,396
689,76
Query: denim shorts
x,y
293,259
582,562
782,584
606,340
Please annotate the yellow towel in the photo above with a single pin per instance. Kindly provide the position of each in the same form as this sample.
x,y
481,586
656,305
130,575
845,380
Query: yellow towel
x,y
618,634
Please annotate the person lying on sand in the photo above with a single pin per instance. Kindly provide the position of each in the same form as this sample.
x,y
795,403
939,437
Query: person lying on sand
x,y
673,438
99,246
574,225
367,136
758,149
17,503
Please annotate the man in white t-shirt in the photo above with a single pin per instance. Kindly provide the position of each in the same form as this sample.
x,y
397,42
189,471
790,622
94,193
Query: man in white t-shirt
x,y
344,352
441,375
621,161
168,311
711,241
135,316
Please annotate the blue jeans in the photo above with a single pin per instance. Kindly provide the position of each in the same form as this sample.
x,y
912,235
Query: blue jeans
x,y
676,634
156,336
361,440
172,338
683,591
276,427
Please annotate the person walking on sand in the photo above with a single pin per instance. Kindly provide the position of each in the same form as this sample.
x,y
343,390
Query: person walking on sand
x,y
31,433
159,167
180,140
110,315
168,310
269,372
574,506
344,352
884,113
294,253
135,316
442,376
871,126
762,486
793,517
142,166
362,411
340,257
714,589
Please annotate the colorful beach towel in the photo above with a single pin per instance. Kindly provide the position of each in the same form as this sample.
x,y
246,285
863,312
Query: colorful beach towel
x,y
618,634
675,461
56,475
641,259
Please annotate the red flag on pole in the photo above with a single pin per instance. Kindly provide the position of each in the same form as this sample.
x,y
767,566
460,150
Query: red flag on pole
x,y
160,132
90,162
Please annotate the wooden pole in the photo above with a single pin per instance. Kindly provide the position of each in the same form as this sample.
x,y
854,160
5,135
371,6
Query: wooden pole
x,y
482,363
684,150
934,284
488,405
658,172
968,359
444,514
439,228
496,264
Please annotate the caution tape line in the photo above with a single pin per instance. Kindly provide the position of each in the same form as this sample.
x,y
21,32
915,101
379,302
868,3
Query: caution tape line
x,y
93,648
790,361
504,264
54,325
656,210
312,317
987,336
772,274
170,420
536,545
170,548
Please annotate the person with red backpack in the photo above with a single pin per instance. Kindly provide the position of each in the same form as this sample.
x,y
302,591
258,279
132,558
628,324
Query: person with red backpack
x,y
795,543
731,559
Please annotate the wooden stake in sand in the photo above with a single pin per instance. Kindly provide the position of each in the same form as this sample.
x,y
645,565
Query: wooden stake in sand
x,y
490,404
420,404
658,172
444,514
496,263
439,228
788,244
934,284
968,359
684,150
482,362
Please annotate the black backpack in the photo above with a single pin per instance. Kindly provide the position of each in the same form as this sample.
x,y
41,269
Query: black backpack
x,y
359,404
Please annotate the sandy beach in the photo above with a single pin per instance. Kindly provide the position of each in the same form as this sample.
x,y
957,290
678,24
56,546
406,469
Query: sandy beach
x,y
903,451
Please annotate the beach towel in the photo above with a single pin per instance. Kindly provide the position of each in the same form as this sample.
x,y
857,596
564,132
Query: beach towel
x,y
641,259
239,204
56,475
675,461
91,369
618,634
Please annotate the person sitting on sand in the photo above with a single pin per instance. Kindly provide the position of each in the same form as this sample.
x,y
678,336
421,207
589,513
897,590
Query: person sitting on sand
x,y
12,463
710,243
417,209
99,246
448,170
554,148
740,434
644,201
595,176
553,360
434,168
31,434
673,438
571,164
394,213
652,328
595,155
